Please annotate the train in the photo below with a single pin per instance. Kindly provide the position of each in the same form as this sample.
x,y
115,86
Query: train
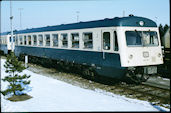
x,y
111,47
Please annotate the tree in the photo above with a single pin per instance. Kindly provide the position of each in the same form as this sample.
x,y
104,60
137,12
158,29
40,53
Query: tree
x,y
165,28
161,30
16,82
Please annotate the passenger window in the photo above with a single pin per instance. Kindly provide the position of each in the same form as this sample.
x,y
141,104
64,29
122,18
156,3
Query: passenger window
x,y
40,40
20,40
115,42
35,40
25,42
47,40
64,38
10,39
29,40
88,40
16,40
55,40
106,40
13,38
75,40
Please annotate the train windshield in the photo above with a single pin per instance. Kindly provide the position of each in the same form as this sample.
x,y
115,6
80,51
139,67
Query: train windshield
x,y
141,38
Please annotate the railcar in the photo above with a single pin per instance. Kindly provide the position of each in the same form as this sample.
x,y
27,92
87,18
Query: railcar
x,y
117,47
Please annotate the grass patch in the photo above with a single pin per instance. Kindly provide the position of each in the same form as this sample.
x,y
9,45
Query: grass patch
x,y
16,98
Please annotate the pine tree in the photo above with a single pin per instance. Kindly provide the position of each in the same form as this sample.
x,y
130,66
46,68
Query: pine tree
x,y
16,81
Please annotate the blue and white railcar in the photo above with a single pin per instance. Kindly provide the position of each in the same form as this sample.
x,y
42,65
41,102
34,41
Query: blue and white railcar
x,y
111,47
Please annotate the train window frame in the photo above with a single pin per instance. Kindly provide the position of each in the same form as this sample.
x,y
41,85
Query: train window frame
x,y
75,42
16,40
55,43
64,41
40,44
142,40
35,41
115,41
25,40
47,41
105,47
21,40
1,40
29,39
85,42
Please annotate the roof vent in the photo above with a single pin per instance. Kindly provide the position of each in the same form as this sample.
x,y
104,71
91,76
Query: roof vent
x,y
131,15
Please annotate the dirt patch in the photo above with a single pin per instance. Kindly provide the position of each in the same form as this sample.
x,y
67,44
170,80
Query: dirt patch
x,y
16,98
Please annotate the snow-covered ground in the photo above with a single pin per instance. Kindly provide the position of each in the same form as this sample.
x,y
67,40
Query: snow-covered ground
x,y
53,95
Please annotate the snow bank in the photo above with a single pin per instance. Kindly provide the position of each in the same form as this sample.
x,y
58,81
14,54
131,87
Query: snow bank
x,y
53,95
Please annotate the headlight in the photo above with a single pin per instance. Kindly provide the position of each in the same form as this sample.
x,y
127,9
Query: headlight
x,y
130,56
159,55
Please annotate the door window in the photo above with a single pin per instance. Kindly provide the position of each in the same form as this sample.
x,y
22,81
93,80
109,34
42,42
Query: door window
x,y
106,40
115,43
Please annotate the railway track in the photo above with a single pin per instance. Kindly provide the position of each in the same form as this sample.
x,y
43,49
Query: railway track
x,y
162,86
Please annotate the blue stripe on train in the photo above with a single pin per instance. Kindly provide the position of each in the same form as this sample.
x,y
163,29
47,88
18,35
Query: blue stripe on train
x,y
110,66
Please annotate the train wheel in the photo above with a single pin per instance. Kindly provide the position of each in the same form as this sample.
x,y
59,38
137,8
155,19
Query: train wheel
x,y
133,78
88,73
144,77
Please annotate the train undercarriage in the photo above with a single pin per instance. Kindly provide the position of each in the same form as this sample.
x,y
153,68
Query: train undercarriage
x,y
134,75
141,74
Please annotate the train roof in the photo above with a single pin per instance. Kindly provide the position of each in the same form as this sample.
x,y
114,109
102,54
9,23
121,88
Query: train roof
x,y
129,21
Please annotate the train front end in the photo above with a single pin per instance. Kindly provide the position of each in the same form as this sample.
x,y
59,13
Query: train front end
x,y
141,49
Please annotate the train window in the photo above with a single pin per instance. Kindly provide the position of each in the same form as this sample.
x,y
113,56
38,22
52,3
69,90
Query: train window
x,y
106,40
141,38
75,40
55,40
64,38
10,38
4,40
40,40
16,40
35,40
88,40
29,40
25,42
47,40
13,38
20,40
0,40
150,38
115,43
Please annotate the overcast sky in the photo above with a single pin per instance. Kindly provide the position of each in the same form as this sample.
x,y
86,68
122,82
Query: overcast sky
x,y
43,13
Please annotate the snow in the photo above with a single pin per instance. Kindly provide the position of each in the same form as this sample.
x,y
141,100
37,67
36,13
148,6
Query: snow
x,y
53,95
